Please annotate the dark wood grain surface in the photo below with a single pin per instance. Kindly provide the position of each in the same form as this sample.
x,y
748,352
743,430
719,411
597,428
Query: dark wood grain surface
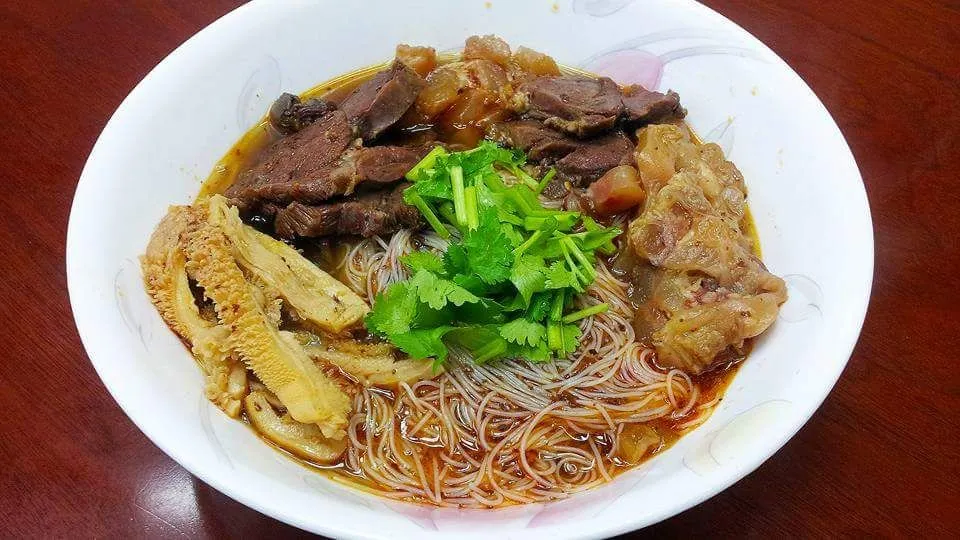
x,y
879,458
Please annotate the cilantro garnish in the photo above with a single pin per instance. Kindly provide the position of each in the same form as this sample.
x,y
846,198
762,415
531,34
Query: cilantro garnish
x,y
505,288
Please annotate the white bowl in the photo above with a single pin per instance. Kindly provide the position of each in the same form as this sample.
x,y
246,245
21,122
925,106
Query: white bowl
x,y
805,192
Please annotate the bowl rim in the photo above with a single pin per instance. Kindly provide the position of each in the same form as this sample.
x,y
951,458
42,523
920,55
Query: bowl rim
x,y
88,330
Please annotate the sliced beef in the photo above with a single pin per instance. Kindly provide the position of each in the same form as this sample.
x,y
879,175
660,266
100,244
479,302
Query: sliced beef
x,y
641,106
413,137
578,161
379,102
304,166
385,164
376,213
580,106
289,115
533,137
318,163
595,157
585,107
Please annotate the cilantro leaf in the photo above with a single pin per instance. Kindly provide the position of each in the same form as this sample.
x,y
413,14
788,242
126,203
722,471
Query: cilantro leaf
x,y
455,260
485,311
527,276
424,260
473,284
437,292
563,338
426,163
523,332
558,276
512,234
427,317
473,337
485,155
489,251
597,238
421,344
394,310
434,184
540,353
483,342
516,303
397,310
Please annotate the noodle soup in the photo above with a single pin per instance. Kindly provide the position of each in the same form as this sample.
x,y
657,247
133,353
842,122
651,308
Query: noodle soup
x,y
663,296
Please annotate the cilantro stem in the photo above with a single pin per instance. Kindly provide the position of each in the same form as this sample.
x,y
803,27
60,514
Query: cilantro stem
x,y
586,312
494,182
491,350
517,199
427,212
426,163
446,210
565,220
556,310
554,326
591,225
546,180
554,337
573,266
560,220
563,341
459,200
534,238
527,194
545,224
507,217
534,223
524,177
587,265
470,207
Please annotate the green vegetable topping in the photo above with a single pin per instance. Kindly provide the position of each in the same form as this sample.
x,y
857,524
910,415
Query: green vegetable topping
x,y
505,288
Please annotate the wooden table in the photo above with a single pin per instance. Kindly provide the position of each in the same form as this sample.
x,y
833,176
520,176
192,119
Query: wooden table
x,y
879,458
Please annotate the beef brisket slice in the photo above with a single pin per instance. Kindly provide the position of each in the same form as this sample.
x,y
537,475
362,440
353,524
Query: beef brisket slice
x,y
595,157
375,213
302,166
579,161
580,106
379,102
585,107
318,163
385,164
533,137
641,106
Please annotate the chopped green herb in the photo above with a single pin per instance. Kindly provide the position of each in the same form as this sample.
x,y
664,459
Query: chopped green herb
x,y
523,332
423,260
503,289
527,276
489,251
438,292
422,344
585,312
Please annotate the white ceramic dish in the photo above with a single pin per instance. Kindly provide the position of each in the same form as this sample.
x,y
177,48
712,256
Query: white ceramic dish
x,y
805,191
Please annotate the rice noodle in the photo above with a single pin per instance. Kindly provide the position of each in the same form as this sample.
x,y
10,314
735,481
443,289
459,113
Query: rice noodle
x,y
512,431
